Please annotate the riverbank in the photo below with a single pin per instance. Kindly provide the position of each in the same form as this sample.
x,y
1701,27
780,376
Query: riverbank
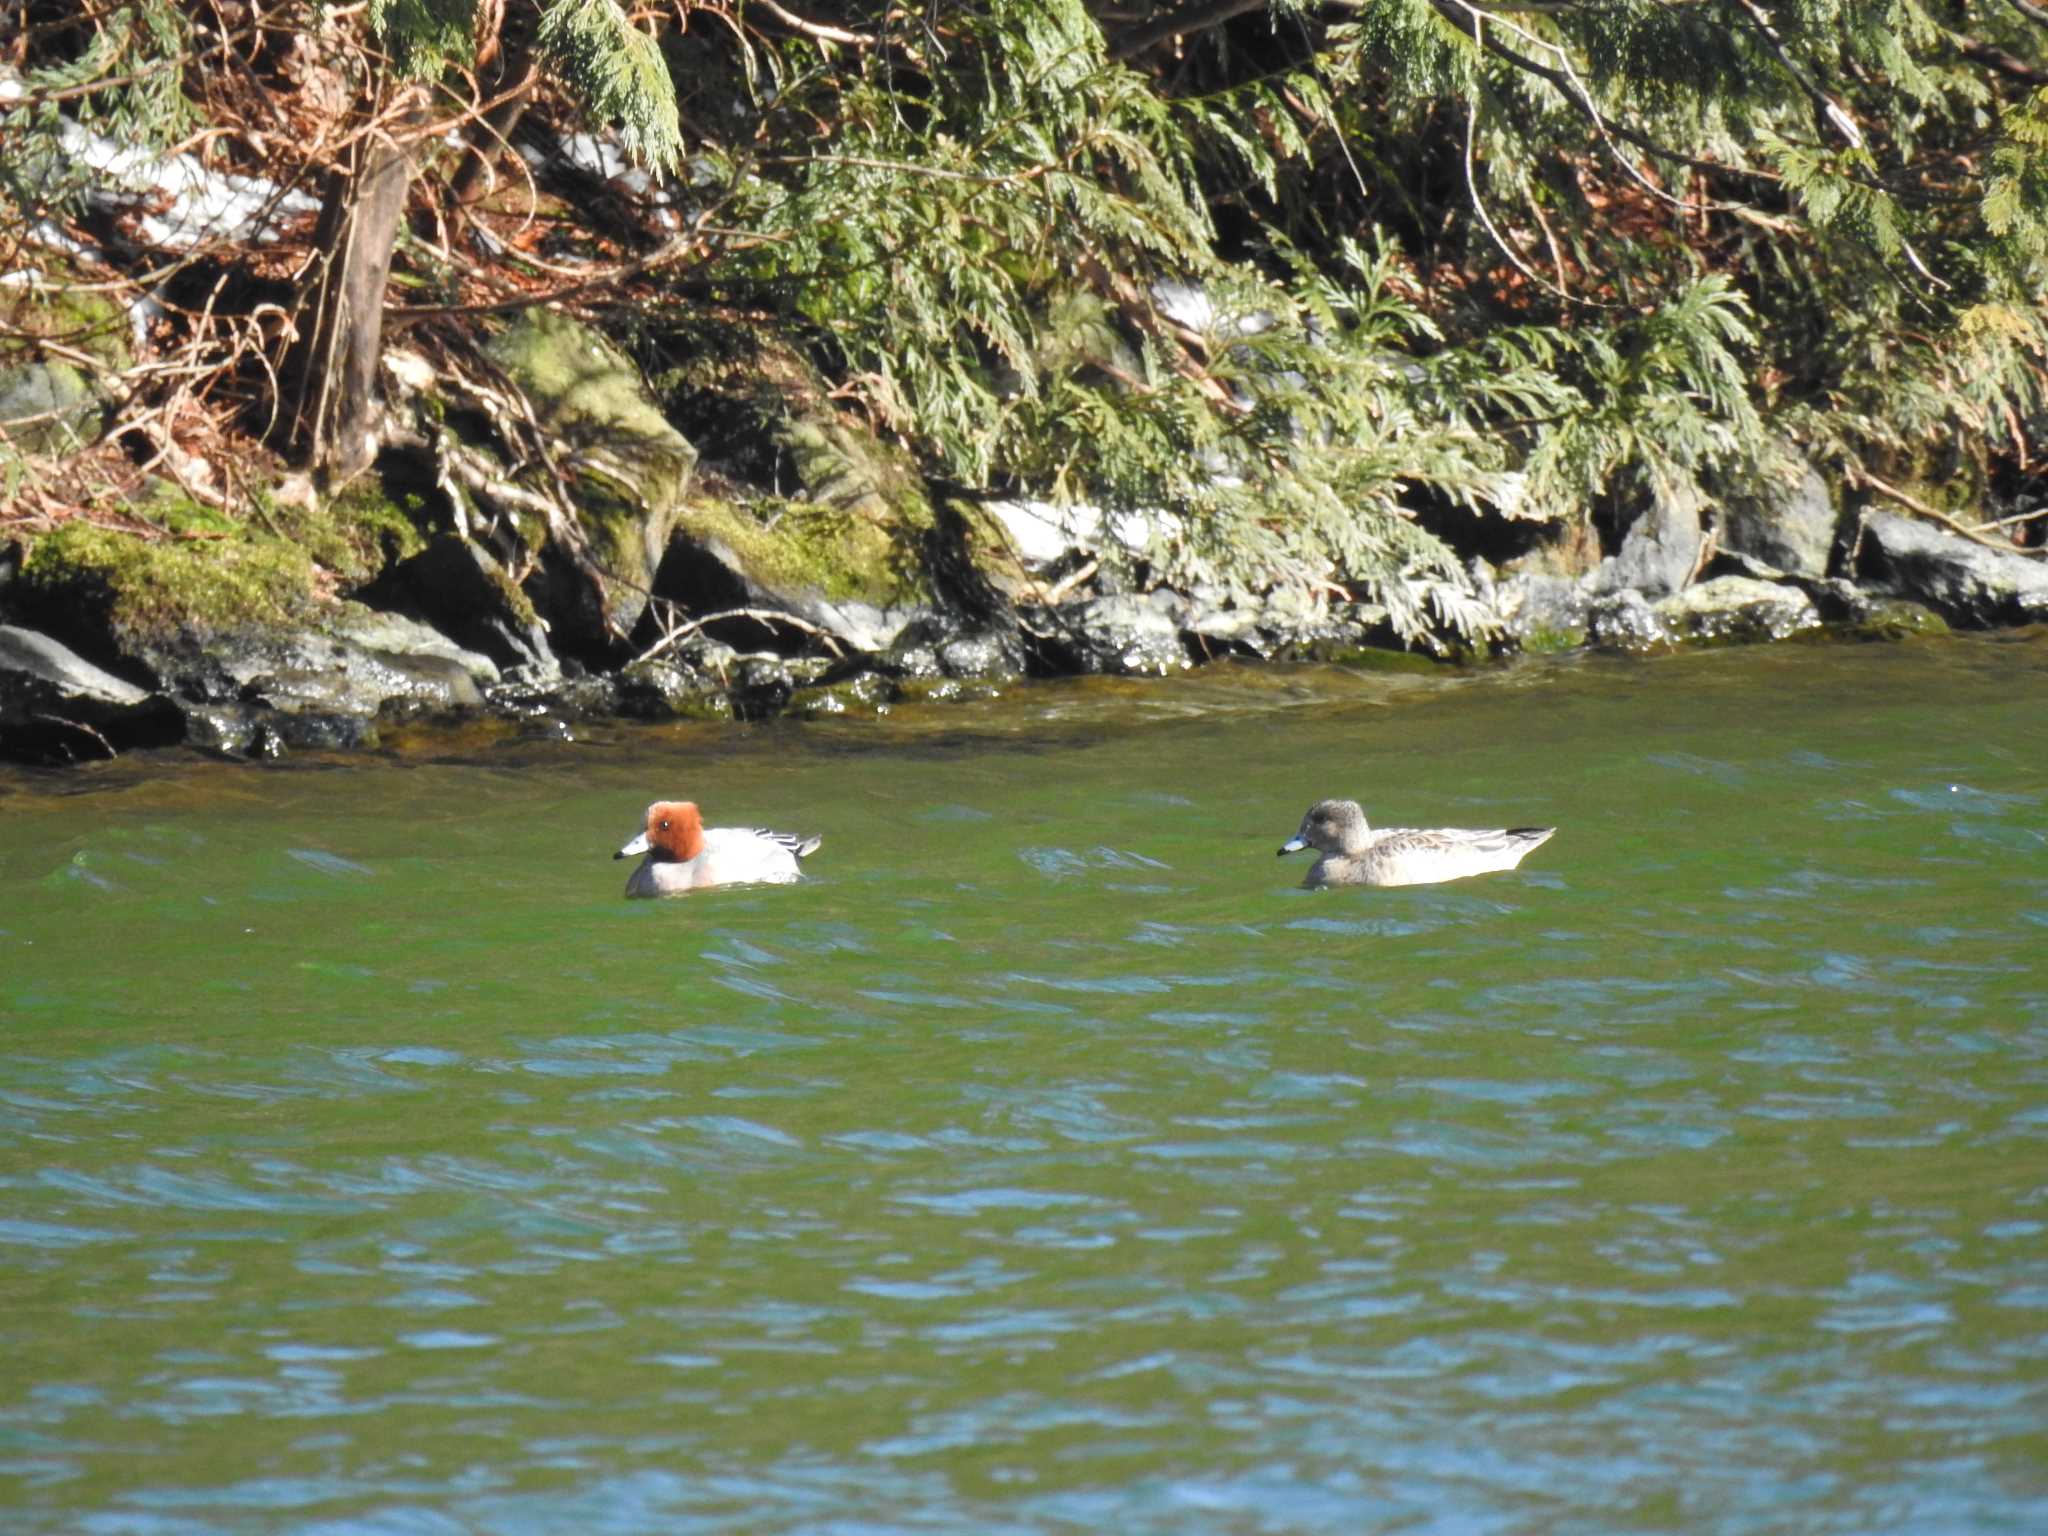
x,y
544,545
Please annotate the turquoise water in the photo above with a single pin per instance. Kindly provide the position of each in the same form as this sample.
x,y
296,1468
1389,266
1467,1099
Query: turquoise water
x,y
1050,1162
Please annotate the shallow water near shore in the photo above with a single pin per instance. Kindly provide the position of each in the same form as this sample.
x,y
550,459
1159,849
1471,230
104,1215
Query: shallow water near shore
x,y
1050,1162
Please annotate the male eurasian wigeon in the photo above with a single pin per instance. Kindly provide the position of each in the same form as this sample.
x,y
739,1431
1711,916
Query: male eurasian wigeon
x,y
685,855
1354,854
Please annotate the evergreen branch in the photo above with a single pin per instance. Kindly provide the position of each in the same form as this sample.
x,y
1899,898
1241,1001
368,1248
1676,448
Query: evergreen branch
x,y
1825,106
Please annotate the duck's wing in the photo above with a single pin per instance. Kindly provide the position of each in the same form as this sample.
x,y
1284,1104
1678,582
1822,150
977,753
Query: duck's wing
x,y
1422,856
799,846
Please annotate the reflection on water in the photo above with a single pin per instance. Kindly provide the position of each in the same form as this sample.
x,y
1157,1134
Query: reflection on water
x,y
1049,1161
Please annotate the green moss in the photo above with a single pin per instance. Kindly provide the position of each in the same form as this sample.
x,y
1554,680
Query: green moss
x,y
589,393
355,534
1552,642
163,586
53,309
790,545
1893,619
1372,658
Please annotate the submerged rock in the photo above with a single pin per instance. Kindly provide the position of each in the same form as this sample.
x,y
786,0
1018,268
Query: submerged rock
x,y
1736,609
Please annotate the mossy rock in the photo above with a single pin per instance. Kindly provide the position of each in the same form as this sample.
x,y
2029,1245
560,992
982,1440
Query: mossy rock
x,y
210,575
63,306
1543,641
629,468
865,693
1384,660
785,547
358,534
1893,618
47,408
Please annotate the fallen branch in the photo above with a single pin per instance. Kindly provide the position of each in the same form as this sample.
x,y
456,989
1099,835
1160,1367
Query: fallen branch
x,y
1914,504
676,634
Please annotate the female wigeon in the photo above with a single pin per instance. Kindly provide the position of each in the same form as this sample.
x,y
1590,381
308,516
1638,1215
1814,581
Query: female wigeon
x,y
685,855
1354,854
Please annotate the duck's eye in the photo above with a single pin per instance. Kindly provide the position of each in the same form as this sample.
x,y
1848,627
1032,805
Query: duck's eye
x,y
664,824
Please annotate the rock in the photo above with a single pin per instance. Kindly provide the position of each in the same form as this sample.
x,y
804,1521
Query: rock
x,y
457,588
945,690
1624,621
838,571
991,654
1661,549
1213,626
629,471
1893,618
863,693
318,667
1041,533
932,647
47,408
1789,524
57,707
245,730
663,689
1542,613
568,694
1735,609
1125,635
395,634
1970,585
29,657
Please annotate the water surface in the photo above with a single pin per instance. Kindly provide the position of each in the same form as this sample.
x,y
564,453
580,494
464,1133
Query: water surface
x,y
1049,1162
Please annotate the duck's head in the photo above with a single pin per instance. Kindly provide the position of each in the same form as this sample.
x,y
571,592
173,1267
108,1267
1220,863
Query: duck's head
x,y
1330,826
674,830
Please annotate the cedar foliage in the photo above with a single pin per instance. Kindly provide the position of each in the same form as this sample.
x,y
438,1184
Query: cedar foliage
x,y
1279,284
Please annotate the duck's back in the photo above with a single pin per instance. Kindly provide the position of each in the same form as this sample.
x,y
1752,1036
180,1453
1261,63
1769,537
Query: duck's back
x,y
1414,856
750,855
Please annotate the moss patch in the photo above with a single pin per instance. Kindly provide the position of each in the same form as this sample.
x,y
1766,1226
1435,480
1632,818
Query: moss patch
x,y
55,310
160,587
357,534
787,546
589,393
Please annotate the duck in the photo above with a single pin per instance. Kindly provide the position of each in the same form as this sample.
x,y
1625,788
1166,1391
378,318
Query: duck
x,y
682,854
1353,853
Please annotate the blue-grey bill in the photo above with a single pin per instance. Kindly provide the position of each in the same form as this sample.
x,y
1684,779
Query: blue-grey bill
x,y
638,845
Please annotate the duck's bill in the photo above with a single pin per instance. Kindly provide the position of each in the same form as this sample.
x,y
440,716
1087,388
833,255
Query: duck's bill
x,y
637,846
1293,845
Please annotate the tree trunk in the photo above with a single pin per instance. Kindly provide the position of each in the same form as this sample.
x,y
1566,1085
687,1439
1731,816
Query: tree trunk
x,y
336,419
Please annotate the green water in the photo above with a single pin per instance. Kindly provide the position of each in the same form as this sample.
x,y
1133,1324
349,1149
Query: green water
x,y
1049,1162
